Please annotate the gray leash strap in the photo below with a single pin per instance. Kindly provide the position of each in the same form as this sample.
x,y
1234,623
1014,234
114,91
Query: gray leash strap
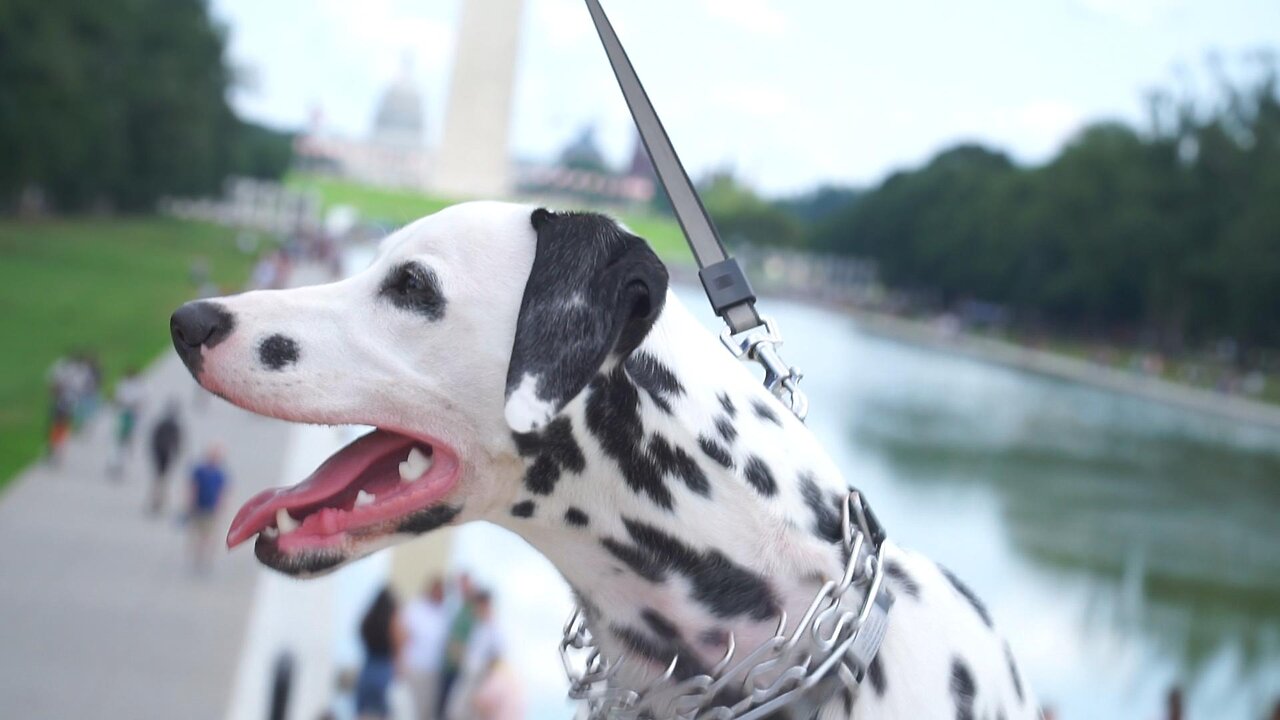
x,y
727,287
749,335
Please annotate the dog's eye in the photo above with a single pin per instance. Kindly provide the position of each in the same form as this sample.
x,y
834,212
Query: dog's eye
x,y
413,287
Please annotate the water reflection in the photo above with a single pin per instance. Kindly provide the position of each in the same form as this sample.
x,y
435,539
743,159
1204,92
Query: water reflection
x,y
1123,545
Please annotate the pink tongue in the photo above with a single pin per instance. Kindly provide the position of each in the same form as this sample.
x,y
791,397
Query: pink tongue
x,y
331,478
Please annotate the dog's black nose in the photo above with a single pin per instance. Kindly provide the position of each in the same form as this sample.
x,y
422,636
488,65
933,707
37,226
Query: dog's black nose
x,y
199,324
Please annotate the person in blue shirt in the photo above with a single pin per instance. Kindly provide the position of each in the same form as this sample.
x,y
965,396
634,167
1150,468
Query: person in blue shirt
x,y
208,487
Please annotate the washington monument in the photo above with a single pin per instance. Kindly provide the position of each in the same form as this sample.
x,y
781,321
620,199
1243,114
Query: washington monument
x,y
473,159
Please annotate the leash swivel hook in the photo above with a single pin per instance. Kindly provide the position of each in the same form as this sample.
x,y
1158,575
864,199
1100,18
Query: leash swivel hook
x,y
760,345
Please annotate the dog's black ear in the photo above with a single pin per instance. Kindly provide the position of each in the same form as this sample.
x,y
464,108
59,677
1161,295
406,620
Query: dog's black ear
x,y
592,295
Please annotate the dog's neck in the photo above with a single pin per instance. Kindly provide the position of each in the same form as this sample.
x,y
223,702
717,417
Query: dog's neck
x,y
681,502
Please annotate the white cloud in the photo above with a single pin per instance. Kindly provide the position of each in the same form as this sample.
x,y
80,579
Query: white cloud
x,y
757,100
379,34
564,23
757,16
1032,130
1050,120
1137,12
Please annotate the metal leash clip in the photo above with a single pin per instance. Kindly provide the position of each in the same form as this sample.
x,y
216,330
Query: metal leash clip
x,y
760,345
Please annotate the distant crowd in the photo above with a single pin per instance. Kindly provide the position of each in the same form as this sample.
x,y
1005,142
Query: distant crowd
x,y
445,647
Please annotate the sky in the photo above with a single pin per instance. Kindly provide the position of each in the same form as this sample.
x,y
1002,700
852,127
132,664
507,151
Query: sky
x,y
789,94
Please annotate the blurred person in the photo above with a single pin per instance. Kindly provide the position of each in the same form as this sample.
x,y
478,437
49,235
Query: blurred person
x,y
461,621
208,487
382,638
483,648
1173,704
284,271
198,272
88,392
61,405
426,625
166,441
498,695
128,399
67,378
264,273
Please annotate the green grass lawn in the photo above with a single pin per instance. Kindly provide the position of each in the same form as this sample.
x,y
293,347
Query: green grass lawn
x,y
397,207
102,285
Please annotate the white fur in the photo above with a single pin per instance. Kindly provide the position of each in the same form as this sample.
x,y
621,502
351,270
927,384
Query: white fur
x,y
525,410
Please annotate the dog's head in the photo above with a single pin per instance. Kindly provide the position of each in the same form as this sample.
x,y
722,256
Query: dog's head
x,y
479,321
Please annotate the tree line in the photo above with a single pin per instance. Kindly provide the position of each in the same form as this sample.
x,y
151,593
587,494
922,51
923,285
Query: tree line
x,y
1166,235
111,104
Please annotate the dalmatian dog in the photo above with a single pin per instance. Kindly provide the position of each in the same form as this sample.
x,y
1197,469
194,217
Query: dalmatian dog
x,y
532,369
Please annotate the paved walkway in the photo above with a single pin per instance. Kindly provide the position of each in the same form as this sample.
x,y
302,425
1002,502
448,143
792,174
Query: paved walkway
x,y
100,614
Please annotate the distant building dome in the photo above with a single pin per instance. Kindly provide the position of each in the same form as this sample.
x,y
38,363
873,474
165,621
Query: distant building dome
x,y
399,118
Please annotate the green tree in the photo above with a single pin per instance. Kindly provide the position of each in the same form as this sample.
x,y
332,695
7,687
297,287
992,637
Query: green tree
x,y
113,103
742,216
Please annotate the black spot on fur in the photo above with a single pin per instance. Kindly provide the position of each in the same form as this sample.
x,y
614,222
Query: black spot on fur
x,y
640,562
660,651
714,637
715,451
613,416
963,690
428,519
726,429
727,403
905,582
655,378
724,587
1013,672
554,449
674,460
826,516
968,595
875,673
523,509
541,477
575,517
765,412
761,478
278,351
414,287
659,625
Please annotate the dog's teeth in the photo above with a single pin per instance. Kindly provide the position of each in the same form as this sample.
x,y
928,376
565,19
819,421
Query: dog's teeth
x,y
415,465
364,498
270,532
285,522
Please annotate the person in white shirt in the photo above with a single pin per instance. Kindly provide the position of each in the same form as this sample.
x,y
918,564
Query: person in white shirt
x,y
426,624
484,647
129,397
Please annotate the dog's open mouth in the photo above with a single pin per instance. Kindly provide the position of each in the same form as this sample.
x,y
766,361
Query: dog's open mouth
x,y
376,485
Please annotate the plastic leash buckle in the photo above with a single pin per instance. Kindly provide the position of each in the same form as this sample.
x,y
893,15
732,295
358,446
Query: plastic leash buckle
x,y
760,345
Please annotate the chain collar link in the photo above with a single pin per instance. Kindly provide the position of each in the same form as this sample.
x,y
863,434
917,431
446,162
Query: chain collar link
x,y
832,645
